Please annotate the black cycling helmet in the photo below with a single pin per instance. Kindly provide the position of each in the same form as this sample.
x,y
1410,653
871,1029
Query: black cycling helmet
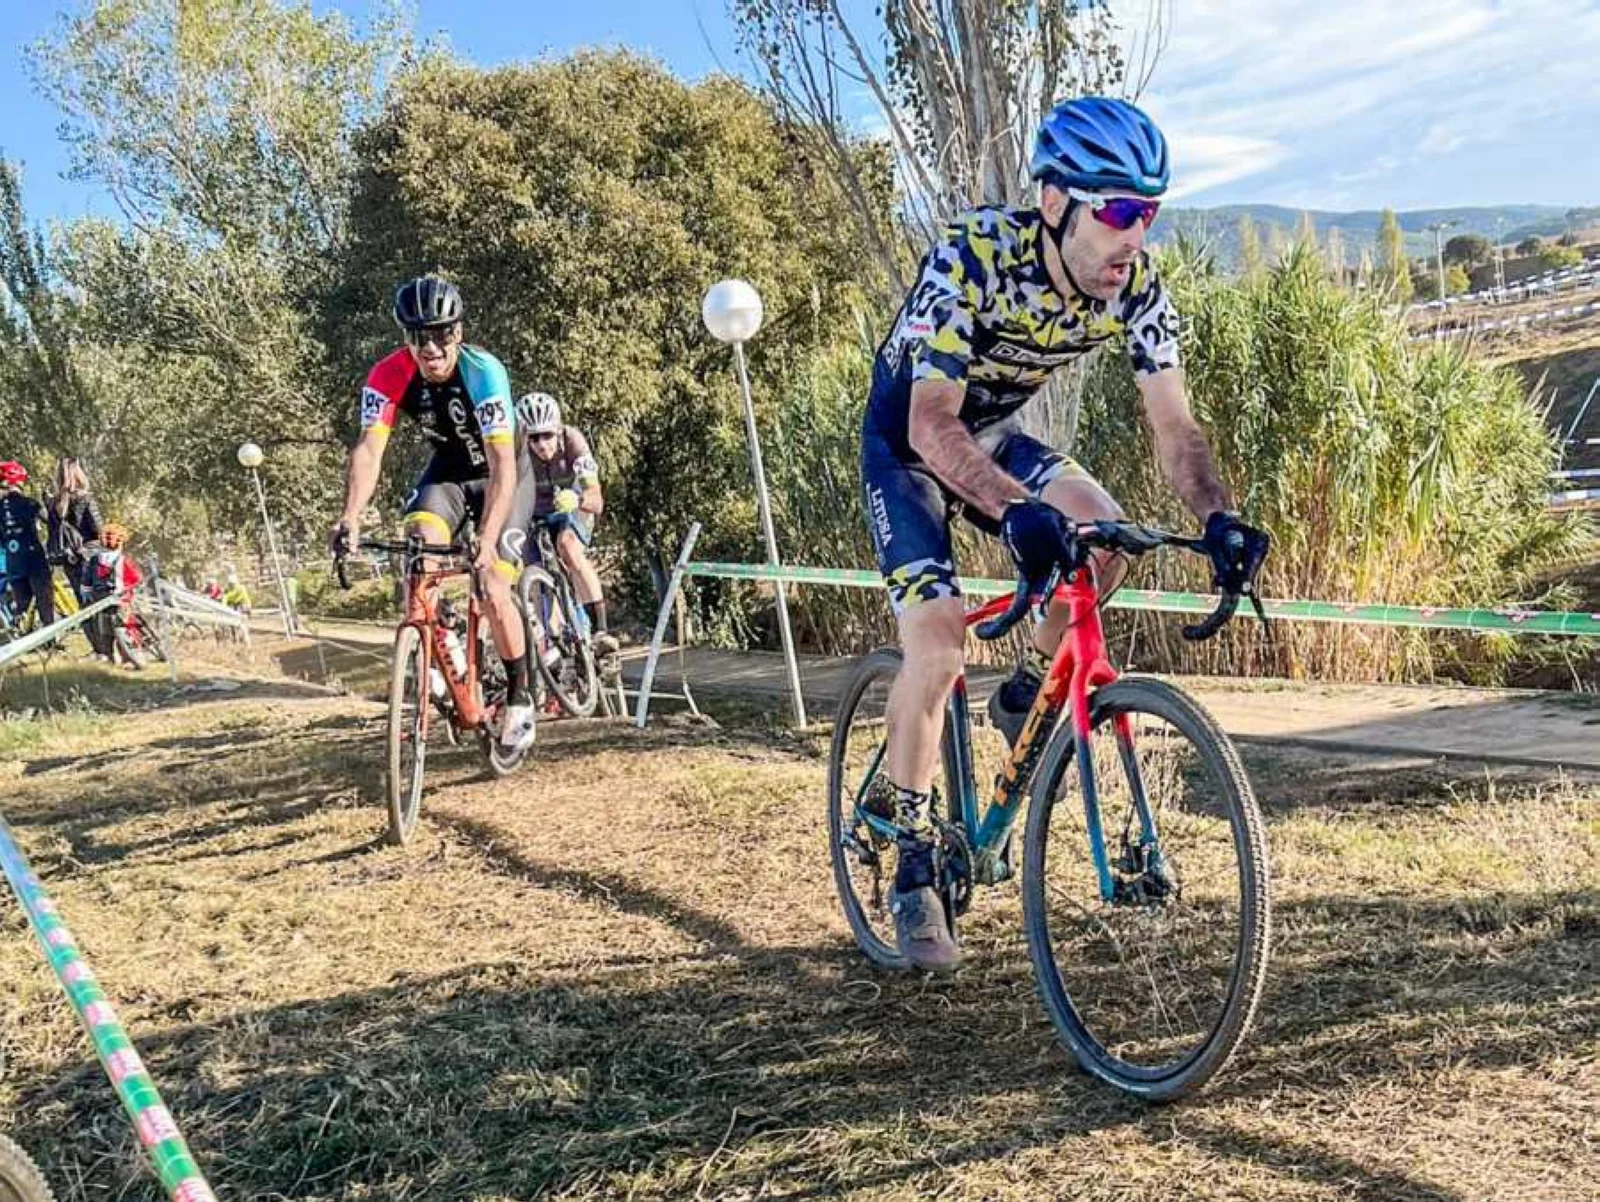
x,y
426,301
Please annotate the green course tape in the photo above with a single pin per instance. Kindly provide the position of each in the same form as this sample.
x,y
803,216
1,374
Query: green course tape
x,y
1508,621
158,1133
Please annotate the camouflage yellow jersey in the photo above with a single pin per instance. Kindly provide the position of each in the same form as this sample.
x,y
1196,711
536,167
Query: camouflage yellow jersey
x,y
984,314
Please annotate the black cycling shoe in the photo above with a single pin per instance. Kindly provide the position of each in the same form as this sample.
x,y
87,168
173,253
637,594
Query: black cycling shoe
x,y
1010,703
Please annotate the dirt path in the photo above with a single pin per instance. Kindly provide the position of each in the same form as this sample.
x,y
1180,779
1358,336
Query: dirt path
x,y
1495,725
1512,726
621,974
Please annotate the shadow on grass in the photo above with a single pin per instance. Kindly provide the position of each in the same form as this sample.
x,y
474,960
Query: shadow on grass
x,y
789,1072
806,1074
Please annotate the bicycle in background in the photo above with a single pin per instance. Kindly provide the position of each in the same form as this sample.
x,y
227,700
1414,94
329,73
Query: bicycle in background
x,y
559,628
443,667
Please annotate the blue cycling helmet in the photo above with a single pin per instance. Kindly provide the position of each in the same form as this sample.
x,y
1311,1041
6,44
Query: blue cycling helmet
x,y
1102,145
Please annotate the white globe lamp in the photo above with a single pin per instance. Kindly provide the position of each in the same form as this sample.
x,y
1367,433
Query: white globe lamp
x,y
732,311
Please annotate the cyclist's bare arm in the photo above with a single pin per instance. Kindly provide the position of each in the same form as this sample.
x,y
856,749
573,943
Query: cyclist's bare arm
x,y
948,448
502,454
1181,445
590,501
366,461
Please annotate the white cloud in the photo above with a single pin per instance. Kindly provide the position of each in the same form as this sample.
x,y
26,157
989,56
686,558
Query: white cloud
x,y
1210,160
1307,96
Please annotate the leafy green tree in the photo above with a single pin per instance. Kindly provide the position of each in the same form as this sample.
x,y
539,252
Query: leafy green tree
x,y
588,204
1560,256
44,399
1469,250
223,131
1530,246
1393,273
1423,280
1456,280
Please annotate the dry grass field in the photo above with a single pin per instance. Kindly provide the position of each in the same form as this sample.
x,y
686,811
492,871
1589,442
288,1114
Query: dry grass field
x,y
622,973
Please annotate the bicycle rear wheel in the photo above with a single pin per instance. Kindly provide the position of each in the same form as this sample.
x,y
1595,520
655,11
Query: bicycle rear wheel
x,y
149,639
20,1178
863,857
122,639
1153,988
408,745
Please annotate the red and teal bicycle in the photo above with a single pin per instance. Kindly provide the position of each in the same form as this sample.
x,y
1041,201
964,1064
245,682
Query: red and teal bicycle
x,y
1144,859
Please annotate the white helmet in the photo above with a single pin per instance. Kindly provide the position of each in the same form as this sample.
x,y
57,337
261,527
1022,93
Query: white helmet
x,y
539,412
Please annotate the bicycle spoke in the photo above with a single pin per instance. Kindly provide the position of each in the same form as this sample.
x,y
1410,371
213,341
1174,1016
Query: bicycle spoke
x,y
1143,983
863,858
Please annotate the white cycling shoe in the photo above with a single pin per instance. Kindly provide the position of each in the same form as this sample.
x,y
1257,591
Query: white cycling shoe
x,y
517,727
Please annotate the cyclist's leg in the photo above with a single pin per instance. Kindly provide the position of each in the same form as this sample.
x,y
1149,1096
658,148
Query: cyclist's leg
x,y
21,590
505,620
908,516
573,534
435,509
33,588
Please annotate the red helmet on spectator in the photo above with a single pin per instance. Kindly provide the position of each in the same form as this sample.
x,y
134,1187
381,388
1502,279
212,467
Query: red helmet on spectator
x,y
13,474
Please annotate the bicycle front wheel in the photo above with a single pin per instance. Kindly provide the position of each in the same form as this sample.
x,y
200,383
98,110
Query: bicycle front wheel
x,y
572,678
1150,962
20,1178
408,743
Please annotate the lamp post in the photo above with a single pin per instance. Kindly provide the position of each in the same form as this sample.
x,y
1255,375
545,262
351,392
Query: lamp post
x,y
1499,258
250,456
732,312
1438,250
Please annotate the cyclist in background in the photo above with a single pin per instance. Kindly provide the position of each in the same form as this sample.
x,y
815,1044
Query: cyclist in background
x,y
236,596
567,500
460,397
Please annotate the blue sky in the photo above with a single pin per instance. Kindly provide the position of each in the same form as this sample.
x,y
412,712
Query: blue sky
x,y
1359,104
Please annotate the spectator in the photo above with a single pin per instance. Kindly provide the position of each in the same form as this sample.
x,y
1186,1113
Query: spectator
x,y
75,524
27,569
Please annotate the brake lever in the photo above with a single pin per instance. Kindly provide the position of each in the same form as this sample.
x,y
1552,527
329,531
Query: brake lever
x,y
1218,618
1047,594
1261,615
341,552
995,627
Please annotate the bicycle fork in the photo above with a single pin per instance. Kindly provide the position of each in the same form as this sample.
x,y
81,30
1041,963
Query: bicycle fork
x,y
1142,861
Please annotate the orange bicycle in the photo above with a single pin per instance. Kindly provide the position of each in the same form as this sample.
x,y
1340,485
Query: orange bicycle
x,y
442,661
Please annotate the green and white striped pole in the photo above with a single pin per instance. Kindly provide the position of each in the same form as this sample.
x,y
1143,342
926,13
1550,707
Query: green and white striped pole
x,y
158,1133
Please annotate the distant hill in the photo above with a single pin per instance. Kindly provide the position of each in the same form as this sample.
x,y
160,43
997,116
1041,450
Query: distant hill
x,y
1218,228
